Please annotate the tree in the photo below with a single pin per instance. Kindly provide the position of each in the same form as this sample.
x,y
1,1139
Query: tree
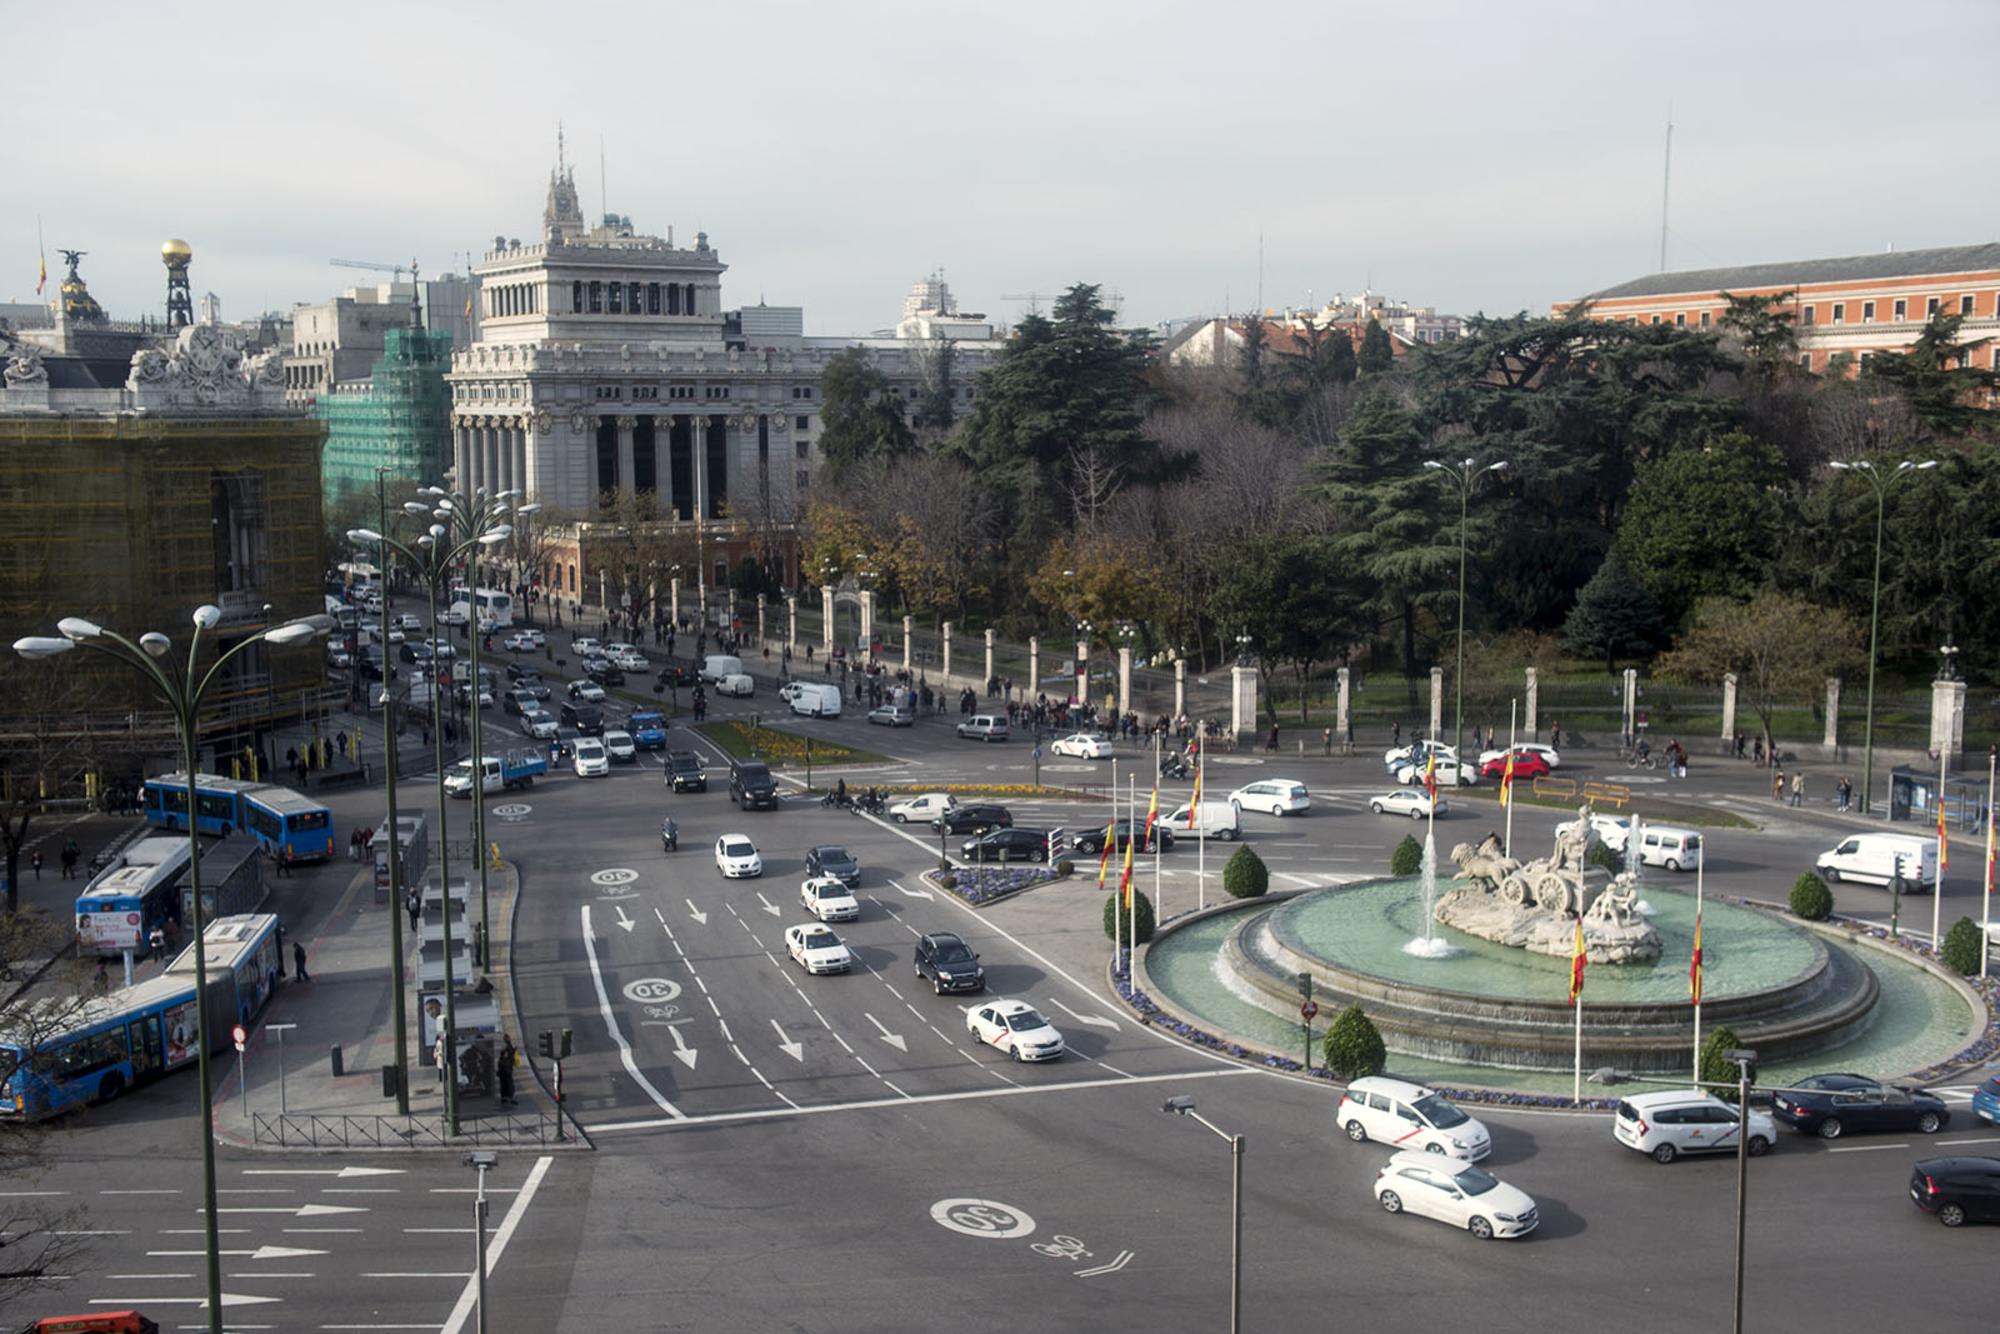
x,y
1255,338
1407,858
1717,1068
1353,1046
1936,376
1338,365
1963,947
46,748
1762,325
1377,354
1811,899
1118,919
1295,599
859,418
1245,876
1776,644
935,409
1705,522
1614,616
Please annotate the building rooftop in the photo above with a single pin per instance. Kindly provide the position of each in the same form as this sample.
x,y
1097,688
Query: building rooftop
x,y
1984,257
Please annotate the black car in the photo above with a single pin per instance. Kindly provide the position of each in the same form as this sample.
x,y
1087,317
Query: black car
x,y
585,718
1958,1190
518,672
604,671
1007,845
684,772
973,819
530,681
1831,1105
1092,840
836,862
752,787
948,963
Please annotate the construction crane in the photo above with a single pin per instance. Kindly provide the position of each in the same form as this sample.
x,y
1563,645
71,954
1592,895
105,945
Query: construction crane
x,y
397,269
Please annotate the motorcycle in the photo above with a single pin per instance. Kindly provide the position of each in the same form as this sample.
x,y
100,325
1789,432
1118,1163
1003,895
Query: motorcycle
x,y
1175,767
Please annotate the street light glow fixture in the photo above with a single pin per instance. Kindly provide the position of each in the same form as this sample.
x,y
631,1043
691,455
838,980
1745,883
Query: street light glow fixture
x,y
1182,1105
75,627
42,646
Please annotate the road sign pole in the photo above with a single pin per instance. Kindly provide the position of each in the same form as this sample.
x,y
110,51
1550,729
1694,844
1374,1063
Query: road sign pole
x,y
241,1039
280,1030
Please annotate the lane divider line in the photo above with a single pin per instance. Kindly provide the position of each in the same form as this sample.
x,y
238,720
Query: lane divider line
x,y
497,1247
617,1036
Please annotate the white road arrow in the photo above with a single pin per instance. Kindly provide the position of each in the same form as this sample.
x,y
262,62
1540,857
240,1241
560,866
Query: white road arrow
x,y
228,1299
342,1172
624,921
911,893
299,1210
261,1253
769,906
795,1050
697,913
684,1053
1094,1020
893,1039
1124,1258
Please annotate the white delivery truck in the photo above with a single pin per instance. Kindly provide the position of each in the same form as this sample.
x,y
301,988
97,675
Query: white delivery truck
x,y
1871,859
1215,819
814,699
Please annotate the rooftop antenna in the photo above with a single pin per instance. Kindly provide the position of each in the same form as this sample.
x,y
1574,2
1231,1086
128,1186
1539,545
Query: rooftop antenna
x,y
1666,186
561,161
603,190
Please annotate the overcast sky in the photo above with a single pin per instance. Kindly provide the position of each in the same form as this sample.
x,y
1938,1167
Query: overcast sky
x,y
1476,157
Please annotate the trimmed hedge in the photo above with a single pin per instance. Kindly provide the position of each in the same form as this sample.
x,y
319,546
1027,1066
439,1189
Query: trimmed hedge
x,y
1353,1046
1811,899
1408,858
1118,924
1717,1068
1961,947
1246,876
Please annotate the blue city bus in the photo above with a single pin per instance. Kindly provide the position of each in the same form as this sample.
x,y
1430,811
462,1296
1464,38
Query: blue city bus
x,y
282,820
218,802
96,1049
121,905
243,965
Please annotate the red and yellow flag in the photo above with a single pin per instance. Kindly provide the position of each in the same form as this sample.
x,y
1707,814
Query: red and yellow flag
x,y
1577,961
1152,814
1507,780
1125,883
1194,802
1694,965
42,278
1431,773
1944,839
1110,843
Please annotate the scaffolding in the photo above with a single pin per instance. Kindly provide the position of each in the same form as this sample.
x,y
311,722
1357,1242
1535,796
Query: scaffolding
x,y
399,420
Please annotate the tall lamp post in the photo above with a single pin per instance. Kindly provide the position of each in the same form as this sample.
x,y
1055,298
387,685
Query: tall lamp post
x,y
1183,1105
391,732
183,688
459,528
1881,482
1465,477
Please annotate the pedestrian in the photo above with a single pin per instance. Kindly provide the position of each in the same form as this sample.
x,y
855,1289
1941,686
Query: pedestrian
x,y
156,943
1396,735
1271,742
506,1069
299,961
438,1054
1555,735
1844,790
70,854
1778,785
36,861
1326,740
1799,788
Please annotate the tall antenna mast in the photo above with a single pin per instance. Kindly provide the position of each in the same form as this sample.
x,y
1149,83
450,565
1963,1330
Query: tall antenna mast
x,y
560,161
603,190
1666,186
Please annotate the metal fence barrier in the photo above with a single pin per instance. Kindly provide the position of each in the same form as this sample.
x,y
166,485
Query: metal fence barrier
x,y
407,1132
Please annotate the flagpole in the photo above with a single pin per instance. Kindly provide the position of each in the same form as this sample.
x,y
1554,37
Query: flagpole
x,y
1937,886
1576,1090
1579,958
1513,720
1152,817
1986,908
1111,850
1201,844
1131,850
1699,873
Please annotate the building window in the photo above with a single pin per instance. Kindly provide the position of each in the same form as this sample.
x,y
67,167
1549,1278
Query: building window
x,y
617,299
673,298
1902,310
1931,308
1965,305
1868,312
1805,361
716,391
799,479
652,298
1656,319
596,298
1704,319
805,423
645,391
680,391
1809,313
1680,322
1840,312
632,298
802,391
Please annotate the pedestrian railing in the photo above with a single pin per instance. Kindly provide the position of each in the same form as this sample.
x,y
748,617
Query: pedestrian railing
x,y
308,1130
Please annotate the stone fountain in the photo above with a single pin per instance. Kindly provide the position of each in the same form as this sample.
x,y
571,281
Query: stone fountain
x,y
1534,905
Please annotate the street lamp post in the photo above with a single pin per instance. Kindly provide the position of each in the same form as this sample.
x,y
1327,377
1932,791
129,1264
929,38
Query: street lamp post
x,y
1744,1059
1183,1105
1465,477
1881,484
390,736
183,691
474,524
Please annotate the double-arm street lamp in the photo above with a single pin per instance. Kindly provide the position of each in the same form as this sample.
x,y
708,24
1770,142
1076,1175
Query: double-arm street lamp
x,y
460,528
183,689
1182,1105
1465,476
1881,482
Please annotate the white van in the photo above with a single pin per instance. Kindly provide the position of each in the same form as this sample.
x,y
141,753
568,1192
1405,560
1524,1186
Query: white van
x,y
738,684
814,699
1216,819
1871,859
718,665
1668,845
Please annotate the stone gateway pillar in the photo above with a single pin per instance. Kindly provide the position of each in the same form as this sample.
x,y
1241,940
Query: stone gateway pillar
x,y
1242,700
1728,712
1180,687
1082,672
1034,669
1832,738
1342,719
1437,703
909,635
989,662
792,622
944,668
826,618
1530,709
867,620
1124,680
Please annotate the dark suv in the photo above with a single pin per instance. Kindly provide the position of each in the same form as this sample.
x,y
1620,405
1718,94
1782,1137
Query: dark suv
x,y
1957,1190
973,819
585,718
944,959
1092,840
604,672
752,787
684,772
1007,845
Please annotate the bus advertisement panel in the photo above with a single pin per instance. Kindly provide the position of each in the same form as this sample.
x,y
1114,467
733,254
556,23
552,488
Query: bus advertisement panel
x,y
111,914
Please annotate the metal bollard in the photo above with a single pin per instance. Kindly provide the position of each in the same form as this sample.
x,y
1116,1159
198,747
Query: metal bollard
x,y
338,1068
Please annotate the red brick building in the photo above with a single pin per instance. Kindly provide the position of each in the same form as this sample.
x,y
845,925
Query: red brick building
x,y
1841,308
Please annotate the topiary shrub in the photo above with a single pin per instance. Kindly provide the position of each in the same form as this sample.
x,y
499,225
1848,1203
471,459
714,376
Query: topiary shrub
x,y
1811,899
1353,1046
1961,947
1408,858
1717,1068
1065,867
1118,921
1246,876
1600,855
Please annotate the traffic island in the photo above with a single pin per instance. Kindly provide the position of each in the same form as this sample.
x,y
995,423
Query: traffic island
x,y
981,885
781,749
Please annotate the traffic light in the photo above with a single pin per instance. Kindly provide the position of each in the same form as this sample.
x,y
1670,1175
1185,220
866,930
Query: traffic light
x,y
565,1043
546,1043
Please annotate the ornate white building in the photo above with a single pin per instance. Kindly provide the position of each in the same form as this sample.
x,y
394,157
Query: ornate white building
x,y
607,364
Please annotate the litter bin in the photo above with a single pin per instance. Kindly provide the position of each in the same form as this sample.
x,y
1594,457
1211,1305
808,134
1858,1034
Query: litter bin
x,y
338,1067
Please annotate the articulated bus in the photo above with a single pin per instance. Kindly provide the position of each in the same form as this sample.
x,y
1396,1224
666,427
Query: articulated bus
x,y
63,1054
495,609
277,817
119,908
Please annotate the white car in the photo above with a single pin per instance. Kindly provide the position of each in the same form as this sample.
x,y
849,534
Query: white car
x,y
633,661
736,857
525,641
829,900
1548,754
1082,745
816,949
1016,1028
1448,774
539,724
336,656
1671,1122
409,620
1409,1116
618,745
591,761
1455,1193
922,809
1411,801
453,616
586,692
586,647
1275,796
618,646
1393,760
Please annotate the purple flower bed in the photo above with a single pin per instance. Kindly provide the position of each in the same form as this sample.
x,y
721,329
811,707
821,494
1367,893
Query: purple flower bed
x,y
980,885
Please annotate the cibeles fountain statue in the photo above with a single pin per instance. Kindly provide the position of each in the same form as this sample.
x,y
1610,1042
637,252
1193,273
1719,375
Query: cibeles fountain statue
x,y
1534,905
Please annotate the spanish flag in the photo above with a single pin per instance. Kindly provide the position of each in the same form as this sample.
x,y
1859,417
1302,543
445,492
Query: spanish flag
x,y
1125,882
1152,814
42,279
1944,839
1507,781
1110,842
1694,965
1431,773
1194,802
1577,960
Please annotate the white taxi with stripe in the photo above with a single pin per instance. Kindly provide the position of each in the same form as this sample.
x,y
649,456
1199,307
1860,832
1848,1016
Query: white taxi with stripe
x,y
1409,1116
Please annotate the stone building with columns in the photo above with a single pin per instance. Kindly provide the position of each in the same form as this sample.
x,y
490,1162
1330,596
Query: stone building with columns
x,y
608,369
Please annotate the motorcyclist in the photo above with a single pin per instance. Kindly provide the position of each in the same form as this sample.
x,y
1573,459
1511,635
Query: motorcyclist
x,y
840,793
